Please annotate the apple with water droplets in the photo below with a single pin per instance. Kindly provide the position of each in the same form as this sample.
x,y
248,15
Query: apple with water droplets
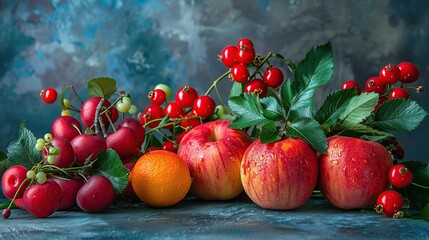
x,y
353,172
280,175
213,153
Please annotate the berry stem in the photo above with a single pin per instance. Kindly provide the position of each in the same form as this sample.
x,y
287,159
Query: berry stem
x,y
17,191
215,82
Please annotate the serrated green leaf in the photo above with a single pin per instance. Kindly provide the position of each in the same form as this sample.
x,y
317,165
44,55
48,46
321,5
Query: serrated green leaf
x,y
271,108
333,106
358,109
22,151
286,95
310,131
312,72
398,115
364,132
108,164
418,191
102,87
236,89
248,109
269,132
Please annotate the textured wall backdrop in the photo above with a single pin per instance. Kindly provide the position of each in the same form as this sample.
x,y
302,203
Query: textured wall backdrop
x,y
142,43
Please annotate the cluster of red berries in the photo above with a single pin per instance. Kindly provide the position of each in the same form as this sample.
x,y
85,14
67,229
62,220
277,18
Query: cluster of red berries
x,y
389,202
186,111
242,56
389,75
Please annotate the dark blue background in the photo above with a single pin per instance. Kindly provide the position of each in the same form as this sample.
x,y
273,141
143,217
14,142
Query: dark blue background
x,y
142,43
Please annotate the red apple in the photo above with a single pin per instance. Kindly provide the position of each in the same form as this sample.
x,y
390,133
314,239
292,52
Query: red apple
x,y
128,192
66,127
86,145
213,153
135,125
124,141
66,157
69,189
88,110
280,175
42,199
353,172
96,194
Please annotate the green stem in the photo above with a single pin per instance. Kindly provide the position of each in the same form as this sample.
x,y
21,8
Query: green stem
x,y
215,82
261,64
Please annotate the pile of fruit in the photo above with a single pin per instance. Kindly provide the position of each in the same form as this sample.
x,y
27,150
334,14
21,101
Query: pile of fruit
x,y
267,141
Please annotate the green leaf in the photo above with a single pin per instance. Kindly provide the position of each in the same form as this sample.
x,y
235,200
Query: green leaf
x,y
333,106
22,151
310,131
150,141
248,109
102,87
236,90
425,213
269,133
398,115
164,120
418,191
271,108
286,95
358,109
108,164
312,72
364,132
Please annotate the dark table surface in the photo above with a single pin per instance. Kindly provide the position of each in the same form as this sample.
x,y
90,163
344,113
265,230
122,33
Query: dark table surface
x,y
195,219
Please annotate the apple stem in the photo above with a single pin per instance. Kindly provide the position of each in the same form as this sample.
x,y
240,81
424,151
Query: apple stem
x,y
97,116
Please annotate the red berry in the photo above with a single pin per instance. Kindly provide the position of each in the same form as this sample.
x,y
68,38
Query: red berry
x,y
375,84
273,77
186,96
229,56
12,179
174,110
400,176
169,146
240,73
390,74
399,93
351,84
245,42
49,95
180,137
389,202
190,120
157,96
204,106
151,113
245,55
6,213
150,149
256,86
409,72
381,100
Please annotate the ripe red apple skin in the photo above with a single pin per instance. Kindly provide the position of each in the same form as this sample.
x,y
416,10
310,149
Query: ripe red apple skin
x,y
42,200
280,175
96,194
213,153
128,192
69,189
89,107
66,157
353,172
86,145
136,126
124,141
11,180
66,126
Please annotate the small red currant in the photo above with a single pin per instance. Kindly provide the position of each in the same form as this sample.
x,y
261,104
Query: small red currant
x,y
389,202
390,74
180,137
174,110
157,96
186,96
273,77
239,73
256,86
6,213
351,84
245,55
169,146
400,176
151,113
49,95
204,106
245,42
375,84
409,72
229,56
399,93
190,120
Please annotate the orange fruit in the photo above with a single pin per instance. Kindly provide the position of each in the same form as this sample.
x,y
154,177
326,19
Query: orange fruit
x,y
160,178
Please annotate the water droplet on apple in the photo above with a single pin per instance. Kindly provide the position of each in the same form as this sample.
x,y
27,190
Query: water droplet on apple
x,y
335,161
261,157
344,169
335,145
